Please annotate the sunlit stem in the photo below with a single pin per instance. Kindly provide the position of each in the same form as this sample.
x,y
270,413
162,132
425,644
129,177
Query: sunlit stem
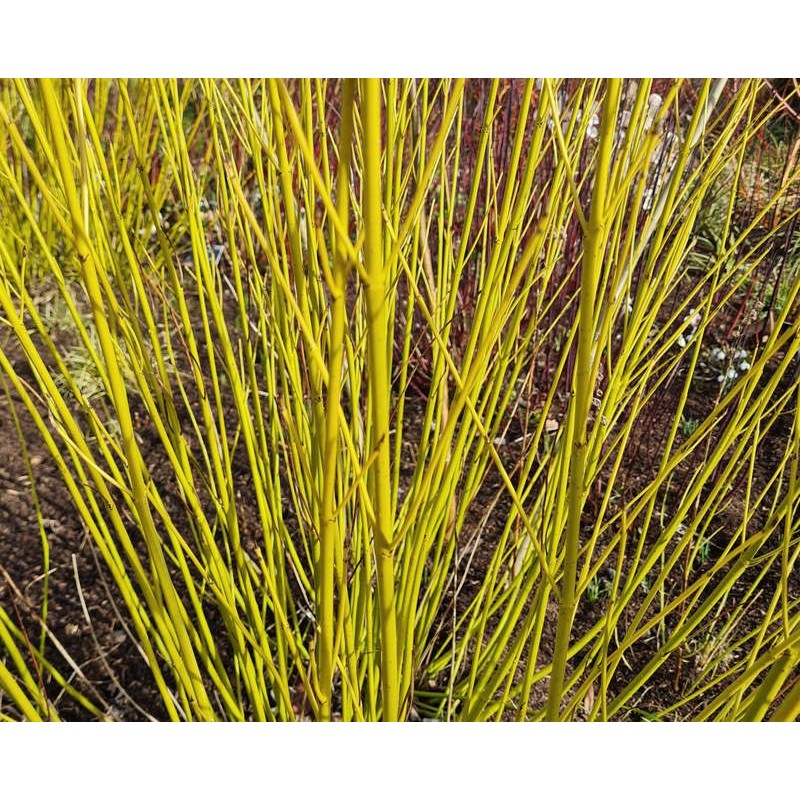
x,y
379,395
582,390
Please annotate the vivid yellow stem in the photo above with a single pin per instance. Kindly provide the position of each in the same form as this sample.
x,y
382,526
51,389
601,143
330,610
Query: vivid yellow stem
x,y
184,661
770,688
379,393
789,709
329,517
582,390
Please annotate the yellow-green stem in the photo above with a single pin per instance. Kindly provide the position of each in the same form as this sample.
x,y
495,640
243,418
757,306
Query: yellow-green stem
x,y
379,392
789,709
184,658
329,515
583,390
